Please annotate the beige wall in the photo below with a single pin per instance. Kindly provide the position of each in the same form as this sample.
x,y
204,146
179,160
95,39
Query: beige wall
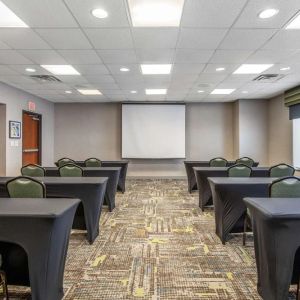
x,y
280,131
95,130
2,139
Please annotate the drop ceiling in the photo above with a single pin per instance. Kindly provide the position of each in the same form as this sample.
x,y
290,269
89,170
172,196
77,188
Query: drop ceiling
x,y
212,34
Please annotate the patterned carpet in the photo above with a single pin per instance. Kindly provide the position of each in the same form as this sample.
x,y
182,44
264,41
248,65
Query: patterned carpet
x,y
157,244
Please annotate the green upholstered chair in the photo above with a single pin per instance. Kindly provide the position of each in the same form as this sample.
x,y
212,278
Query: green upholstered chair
x,y
25,187
239,170
218,162
245,161
33,170
70,170
3,281
286,187
281,170
63,161
92,162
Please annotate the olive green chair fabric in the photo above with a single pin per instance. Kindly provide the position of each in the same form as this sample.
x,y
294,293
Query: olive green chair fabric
x,y
65,161
281,170
218,162
25,187
32,170
70,170
245,161
239,170
92,162
287,187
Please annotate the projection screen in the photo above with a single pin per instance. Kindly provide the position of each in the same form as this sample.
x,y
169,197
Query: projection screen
x,y
153,131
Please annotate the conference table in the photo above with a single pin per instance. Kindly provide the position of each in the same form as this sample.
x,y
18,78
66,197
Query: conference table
x,y
41,227
90,190
276,223
123,164
112,173
190,164
202,173
228,194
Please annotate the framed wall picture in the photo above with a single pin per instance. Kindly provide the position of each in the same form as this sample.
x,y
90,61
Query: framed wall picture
x,y
14,130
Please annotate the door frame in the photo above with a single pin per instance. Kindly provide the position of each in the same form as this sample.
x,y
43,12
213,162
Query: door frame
x,y
28,112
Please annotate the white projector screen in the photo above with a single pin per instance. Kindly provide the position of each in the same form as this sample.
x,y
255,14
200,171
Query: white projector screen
x,y
153,131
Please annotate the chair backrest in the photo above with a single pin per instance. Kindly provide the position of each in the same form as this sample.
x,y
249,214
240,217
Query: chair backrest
x,y
281,170
245,161
218,162
25,187
287,187
63,161
92,162
33,170
239,170
70,170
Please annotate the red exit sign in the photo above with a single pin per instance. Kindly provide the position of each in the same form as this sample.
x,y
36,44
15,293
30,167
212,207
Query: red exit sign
x,y
31,106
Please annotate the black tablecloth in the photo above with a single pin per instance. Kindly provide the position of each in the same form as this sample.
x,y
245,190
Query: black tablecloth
x,y
276,223
123,164
42,228
90,190
202,173
228,194
190,164
113,175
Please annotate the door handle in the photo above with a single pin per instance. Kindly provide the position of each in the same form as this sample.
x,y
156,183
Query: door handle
x,y
30,150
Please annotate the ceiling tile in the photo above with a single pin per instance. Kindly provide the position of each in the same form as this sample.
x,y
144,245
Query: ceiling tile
x,y
193,56
117,56
67,38
246,39
98,69
6,70
155,55
79,57
188,68
10,57
45,13
134,69
100,78
44,57
110,38
230,56
270,56
212,13
284,39
155,38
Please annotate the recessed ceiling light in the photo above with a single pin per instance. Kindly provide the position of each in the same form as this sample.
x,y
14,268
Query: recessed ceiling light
x,y
220,69
156,69
294,23
61,69
268,13
124,69
200,91
252,68
31,70
244,92
99,13
285,69
68,92
156,91
8,18
222,91
89,92
133,92
155,13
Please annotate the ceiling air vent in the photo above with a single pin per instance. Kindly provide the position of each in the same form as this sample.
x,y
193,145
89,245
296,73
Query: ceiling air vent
x,y
268,78
45,78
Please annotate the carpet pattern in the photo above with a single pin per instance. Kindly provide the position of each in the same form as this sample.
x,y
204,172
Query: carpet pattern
x,y
157,244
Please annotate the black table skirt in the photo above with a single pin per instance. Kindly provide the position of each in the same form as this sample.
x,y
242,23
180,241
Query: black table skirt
x,y
190,164
113,174
40,229
228,194
123,164
275,224
202,173
90,190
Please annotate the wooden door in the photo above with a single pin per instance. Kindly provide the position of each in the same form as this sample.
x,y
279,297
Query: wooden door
x,y
31,138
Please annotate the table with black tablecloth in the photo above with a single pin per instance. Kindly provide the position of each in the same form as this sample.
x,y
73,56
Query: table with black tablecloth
x,y
41,229
202,173
113,174
90,190
275,224
123,164
228,194
190,164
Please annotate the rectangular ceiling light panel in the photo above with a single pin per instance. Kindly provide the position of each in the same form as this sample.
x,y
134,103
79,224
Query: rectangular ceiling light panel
x,y
8,18
156,91
61,69
155,13
89,92
294,23
157,69
222,91
252,68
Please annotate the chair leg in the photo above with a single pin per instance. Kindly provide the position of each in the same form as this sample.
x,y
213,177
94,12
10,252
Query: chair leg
x,y
3,283
245,230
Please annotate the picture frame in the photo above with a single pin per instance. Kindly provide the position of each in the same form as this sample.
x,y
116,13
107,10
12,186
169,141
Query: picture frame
x,y
14,130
